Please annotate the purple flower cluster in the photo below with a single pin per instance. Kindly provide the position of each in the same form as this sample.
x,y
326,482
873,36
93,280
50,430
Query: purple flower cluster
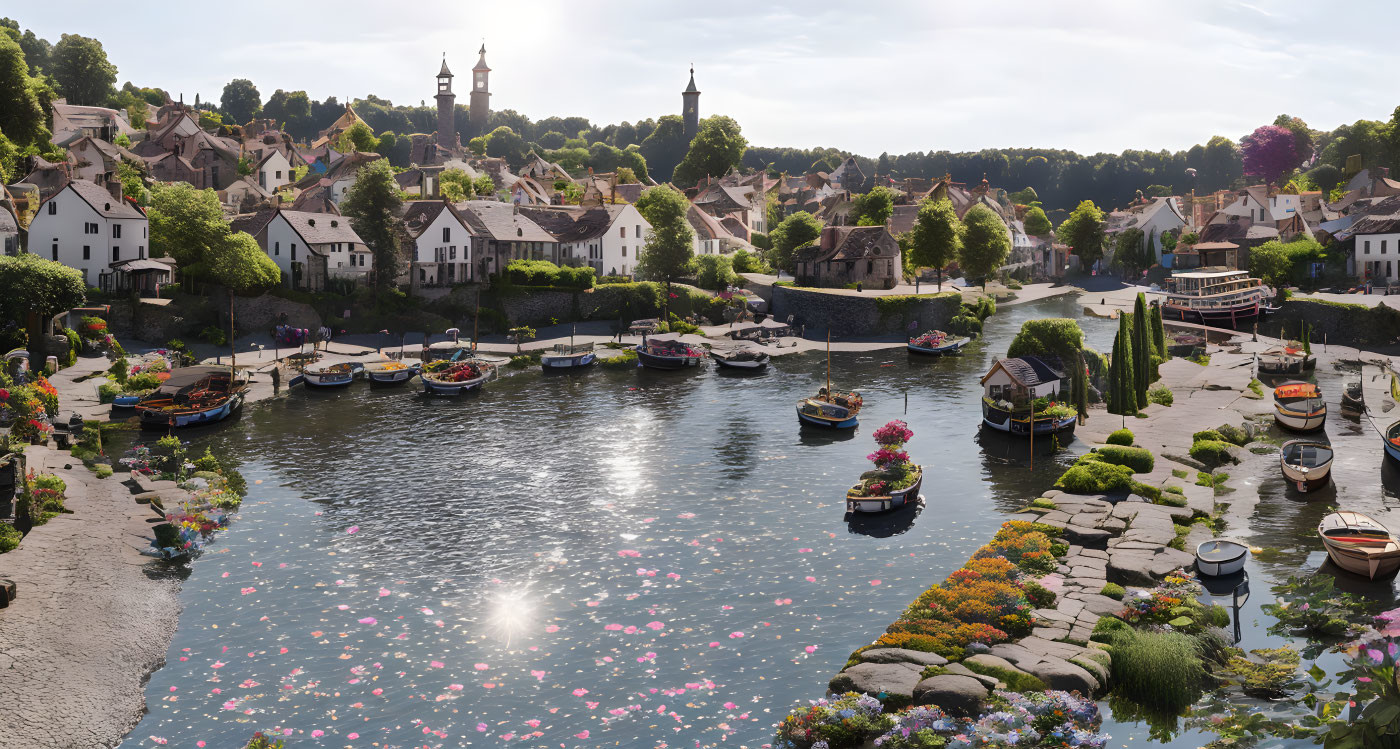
x,y
1035,719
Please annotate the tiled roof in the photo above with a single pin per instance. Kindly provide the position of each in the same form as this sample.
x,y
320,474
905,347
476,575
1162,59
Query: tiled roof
x,y
102,201
850,243
502,222
705,225
251,223
321,228
571,223
420,214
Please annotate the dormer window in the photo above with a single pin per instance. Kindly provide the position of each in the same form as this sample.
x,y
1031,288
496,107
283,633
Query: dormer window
x,y
334,223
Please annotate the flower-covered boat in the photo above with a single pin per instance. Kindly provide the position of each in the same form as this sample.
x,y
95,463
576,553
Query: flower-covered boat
x,y
192,396
324,375
1020,395
936,343
895,482
388,373
454,378
668,353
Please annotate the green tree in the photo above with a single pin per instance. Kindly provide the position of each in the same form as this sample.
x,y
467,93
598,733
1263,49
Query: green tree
x,y
185,224
292,111
797,230
714,272
455,185
1122,382
986,243
483,186
36,290
506,144
1037,223
36,51
133,183
1270,263
1159,333
241,100
937,237
357,137
373,204
1024,197
82,71
1083,231
665,146
1143,370
717,148
667,254
22,116
1130,252
875,207
210,121
240,266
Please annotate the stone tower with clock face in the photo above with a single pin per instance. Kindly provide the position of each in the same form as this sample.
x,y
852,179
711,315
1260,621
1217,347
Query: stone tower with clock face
x,y
481,94
690,107
446,104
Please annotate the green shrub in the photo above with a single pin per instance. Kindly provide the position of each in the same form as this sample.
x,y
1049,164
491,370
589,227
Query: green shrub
x,y
1161,395
104,471
1233,434
1122,437
1217,616
1095,477
1016,681
1137,458
1173,489
1056,336
1212,452
524,360
1208,434
1113,590
9,538
1044,503
108,392
965,325
75,344
213,335
142,381
1163,669
118,370
1172,499
1108,629
1177,472
628,358
1039,596
545,273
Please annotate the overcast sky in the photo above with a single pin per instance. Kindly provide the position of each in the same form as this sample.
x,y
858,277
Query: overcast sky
x,y
867,76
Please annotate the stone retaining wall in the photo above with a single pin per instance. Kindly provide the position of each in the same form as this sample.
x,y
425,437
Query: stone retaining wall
x,y
857,315
1342,324
539,306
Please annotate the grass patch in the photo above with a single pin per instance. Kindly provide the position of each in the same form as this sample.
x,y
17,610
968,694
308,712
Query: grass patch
x,y
104,471
1212,452
626,359
1137,458
1172,499
1233,434
1209,435
1114,591
1163,669
1256,390
1177,472
931,671
521,361
1016,681
1201,359
1161,395
1044,503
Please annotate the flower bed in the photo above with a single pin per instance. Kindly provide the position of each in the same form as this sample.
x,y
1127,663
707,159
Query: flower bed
x,y
842,722
984,602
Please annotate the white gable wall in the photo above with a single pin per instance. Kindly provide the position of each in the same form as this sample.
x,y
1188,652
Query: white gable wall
x,y
65,233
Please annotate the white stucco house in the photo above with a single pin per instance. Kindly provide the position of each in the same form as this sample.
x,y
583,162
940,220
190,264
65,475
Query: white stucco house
x,y
84,226
273,170
609,237
313,247
441,242
1257,205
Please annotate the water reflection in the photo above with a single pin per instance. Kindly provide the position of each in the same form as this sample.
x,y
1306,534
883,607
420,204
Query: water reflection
x,y
885,524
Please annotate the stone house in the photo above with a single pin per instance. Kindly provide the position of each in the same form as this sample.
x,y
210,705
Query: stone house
x,y
844,255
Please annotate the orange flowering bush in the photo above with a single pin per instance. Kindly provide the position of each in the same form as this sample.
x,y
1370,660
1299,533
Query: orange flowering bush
x,y
1024,545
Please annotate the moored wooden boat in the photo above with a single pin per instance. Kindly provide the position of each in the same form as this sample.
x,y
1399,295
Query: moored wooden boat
x,y
391,373
458,377
668,353
192,396
1219,557
1359,544
856,501
1286,360
936,343
338,374
1299,406
1353,399
741,359
1391,442
568,357
830,409
1013,390
1306,464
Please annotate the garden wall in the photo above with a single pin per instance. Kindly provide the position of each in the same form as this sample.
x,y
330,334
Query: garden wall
x,y
537,306
1342,324
858,315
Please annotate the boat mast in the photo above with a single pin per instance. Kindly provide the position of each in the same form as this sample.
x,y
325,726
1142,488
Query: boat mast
x,y
828,365
475,320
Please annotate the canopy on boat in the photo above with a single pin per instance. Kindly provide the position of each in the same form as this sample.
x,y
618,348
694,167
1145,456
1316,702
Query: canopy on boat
x,y
1308,454
187,376
1297,390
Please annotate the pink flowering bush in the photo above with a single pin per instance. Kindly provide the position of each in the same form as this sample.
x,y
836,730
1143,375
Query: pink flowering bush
x,y
893,471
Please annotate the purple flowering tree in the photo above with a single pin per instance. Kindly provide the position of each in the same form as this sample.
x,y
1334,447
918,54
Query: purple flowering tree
x,y
1269,152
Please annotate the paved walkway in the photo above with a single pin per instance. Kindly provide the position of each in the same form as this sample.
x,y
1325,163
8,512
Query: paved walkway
x,y
90,622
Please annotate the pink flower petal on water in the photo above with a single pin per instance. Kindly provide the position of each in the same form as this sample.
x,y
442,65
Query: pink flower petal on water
x,y
369,620
318,733
455,687
874,582
384,592
353,529
811,648
480,727
581,734
580,692
655,625
437,664
481,666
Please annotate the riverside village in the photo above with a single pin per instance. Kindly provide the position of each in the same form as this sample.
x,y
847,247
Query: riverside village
x,y
587,402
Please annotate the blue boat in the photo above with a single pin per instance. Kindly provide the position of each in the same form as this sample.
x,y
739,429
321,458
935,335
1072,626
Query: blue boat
x,y
192,396
1392,442
126,401
830,409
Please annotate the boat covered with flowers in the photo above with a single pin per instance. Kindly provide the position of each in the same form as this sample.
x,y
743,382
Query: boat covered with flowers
x,y
323,375
668,353
389,373
193,396
936,343
454,378
1020,395
895,482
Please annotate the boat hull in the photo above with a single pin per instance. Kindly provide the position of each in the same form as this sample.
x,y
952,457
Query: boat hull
x,y
327,379
946,349
1231,316
1213,564
1359,562
850,422
562,362
892,501
653,361
126,401
163,419
1004,421
747,365
1307,472
390,378
439,387
1359,544
1300,421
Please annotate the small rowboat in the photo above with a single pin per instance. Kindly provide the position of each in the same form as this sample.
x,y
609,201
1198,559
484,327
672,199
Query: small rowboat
x,y
830,410
1392,442
1307,465
339,374
1286,360
1219,557
936,343
458,377
668,354
857,502
1299,406
192,396
741,359
391,373
567,357
1359,544
1353,400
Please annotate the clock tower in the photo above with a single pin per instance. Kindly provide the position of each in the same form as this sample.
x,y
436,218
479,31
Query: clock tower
x,y
481,94
690,107
446,104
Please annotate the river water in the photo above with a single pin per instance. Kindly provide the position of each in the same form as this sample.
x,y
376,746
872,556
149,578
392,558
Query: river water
x,y
617,558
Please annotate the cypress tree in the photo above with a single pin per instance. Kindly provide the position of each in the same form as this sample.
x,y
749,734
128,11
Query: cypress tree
x,y
1159,333
1081,385
1115,393
1124,380
1142,348
1307,334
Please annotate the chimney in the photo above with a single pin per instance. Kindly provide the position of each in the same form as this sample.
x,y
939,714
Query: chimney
x,y
115,188
828,238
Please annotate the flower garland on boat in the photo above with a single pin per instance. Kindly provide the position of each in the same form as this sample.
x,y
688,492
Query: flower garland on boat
x,y
929,339
893,471
458,372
